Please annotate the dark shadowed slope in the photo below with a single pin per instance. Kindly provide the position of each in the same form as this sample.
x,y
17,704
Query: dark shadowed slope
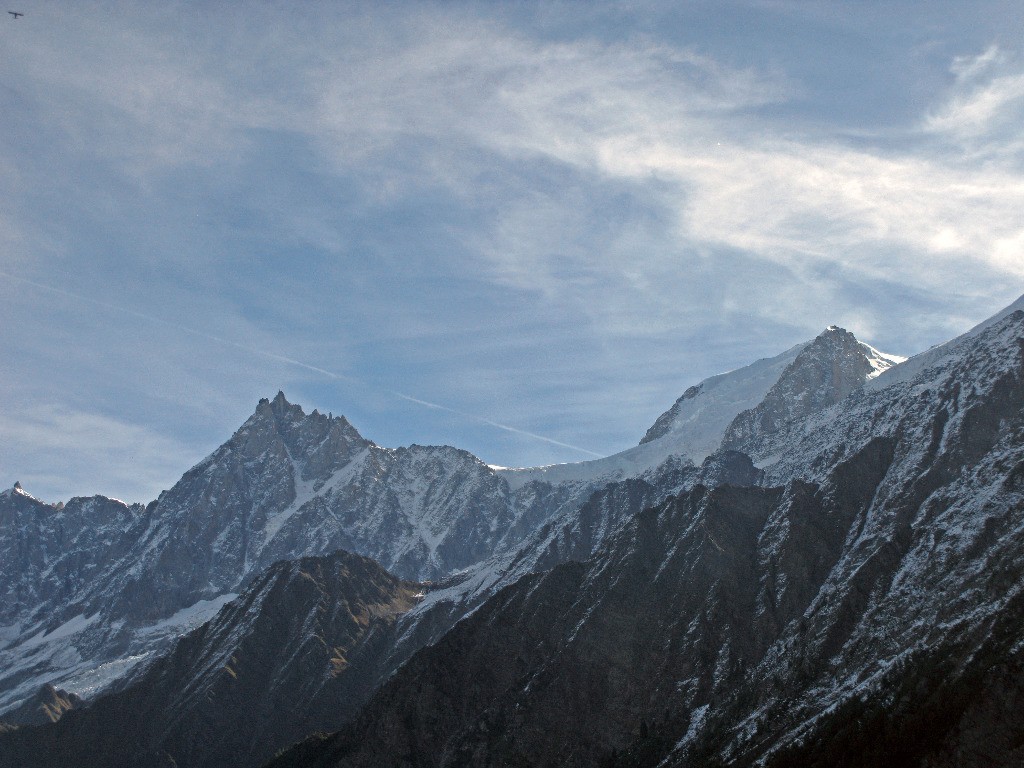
x,y
294,653
731,625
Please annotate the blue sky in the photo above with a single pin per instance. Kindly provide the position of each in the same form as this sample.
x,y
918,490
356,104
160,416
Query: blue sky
x,y
548,218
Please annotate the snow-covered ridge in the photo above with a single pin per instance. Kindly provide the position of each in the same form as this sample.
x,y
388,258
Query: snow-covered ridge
x,y
17,489
913,365
694,427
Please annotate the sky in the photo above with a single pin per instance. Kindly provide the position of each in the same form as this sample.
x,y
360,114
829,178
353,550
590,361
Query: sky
x,y
518,228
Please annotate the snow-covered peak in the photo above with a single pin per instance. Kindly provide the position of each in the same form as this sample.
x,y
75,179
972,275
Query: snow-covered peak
x,y
834,337
825,371
17,490
804,378
880,362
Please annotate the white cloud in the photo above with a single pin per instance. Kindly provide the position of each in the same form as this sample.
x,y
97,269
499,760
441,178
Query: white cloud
x,y
646,112
969,67
980,109
638,110
829,202
50,447
982,112
634,110
479,87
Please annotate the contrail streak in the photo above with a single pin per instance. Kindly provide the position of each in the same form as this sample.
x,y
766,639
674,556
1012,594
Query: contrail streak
x,y
290,361
490,423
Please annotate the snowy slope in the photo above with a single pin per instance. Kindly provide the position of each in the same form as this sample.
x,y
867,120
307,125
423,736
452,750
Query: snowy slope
x,y
911,367
692,428
698,419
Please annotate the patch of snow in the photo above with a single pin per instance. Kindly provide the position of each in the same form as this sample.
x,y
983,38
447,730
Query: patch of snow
x,y
306,491
71,627
880,361
189,618
9,632
697,718
17,490
89,682
155,536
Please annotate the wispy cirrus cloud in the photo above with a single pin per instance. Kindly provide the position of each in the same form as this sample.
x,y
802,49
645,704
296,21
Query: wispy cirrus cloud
x,y
59,447
969,67
690,127
980,109
450,99
983,110
517,218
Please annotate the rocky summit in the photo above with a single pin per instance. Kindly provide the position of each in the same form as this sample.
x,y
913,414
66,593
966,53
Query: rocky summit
x,y
822,374
95,588
812,560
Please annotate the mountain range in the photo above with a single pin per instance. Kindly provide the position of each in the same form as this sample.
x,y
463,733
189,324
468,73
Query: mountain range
x,y
810,560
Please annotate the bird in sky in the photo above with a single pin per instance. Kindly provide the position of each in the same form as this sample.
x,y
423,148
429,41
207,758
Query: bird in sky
x,y
15,14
